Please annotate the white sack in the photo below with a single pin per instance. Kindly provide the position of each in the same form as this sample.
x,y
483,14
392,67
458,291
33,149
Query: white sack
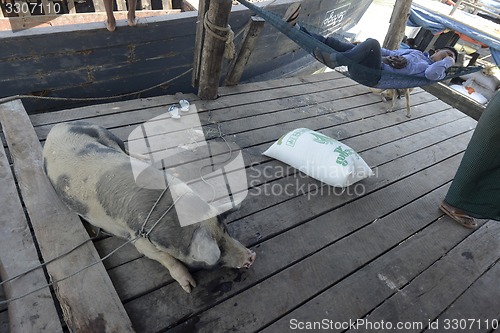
x,y
320,157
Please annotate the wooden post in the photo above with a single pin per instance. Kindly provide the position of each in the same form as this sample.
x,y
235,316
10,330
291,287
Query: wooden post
x,y
198,44
455,7
252,32
397,25
213,49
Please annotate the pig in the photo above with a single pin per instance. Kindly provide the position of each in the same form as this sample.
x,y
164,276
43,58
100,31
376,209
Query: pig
x,y
91,172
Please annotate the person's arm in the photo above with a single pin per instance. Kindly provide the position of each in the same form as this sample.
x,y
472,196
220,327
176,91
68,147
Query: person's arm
x,y
388,53
437,71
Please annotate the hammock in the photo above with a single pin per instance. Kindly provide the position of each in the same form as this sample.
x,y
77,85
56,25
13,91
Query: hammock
x,y
367,76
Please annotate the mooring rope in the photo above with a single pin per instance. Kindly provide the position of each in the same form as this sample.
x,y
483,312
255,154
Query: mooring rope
x,y
90,99
211,29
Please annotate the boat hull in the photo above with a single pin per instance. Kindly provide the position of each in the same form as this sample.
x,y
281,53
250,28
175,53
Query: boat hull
x,y
88,61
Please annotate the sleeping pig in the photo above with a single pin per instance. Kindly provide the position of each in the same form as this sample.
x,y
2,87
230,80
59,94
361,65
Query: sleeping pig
x,y
93,175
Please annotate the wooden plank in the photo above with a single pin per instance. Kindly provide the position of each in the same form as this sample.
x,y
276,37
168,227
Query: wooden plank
x,y
357,294
481,317
311,275
199,41
36,312
88,300
237,65
139,116
428,295
128,287
4,322
386,148
458,100
122,107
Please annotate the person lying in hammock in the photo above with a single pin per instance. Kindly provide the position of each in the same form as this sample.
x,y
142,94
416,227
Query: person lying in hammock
x,y
366,60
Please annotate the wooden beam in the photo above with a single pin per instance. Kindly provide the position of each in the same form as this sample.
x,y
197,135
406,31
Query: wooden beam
x,y
198,44
397,24
88,300
457,100
36,312
213,49
455,7
237,66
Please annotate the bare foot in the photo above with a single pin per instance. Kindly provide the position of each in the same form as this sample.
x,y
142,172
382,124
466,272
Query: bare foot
x,y
111,24
132,20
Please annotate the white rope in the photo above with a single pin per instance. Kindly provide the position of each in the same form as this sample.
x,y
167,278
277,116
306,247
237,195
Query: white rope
x,y
72,274
230,154
15,97
210,28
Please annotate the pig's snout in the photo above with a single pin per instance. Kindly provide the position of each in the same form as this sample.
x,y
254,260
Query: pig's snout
x,y
250,259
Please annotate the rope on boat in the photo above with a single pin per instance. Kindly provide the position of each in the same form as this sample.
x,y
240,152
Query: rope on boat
x,y
211,29
89,99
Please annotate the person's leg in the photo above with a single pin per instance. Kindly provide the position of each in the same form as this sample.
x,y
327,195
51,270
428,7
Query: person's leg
x,y
110,22
367,54
332,42
132,20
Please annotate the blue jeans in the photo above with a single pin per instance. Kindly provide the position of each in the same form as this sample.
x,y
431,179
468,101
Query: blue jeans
x,y
364,61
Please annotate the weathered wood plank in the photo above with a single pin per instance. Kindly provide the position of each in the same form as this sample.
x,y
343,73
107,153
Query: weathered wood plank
x,y
237,65
430,131
119,107
88,300
359,293
129,287
270,105
36,312
482,315
460,101
312,274
4,322
448,278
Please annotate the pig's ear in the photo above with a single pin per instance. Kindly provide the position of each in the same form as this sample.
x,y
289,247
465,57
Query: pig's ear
x,y
204,248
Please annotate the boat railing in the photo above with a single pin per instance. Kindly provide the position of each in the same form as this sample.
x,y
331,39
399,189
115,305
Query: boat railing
x,y
23,14
477,7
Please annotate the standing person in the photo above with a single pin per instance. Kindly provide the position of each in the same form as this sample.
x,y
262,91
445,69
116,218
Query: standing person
x,y
475,190
111,22
366,60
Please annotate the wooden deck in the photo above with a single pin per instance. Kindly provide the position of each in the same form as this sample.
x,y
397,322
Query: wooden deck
x,y
382,253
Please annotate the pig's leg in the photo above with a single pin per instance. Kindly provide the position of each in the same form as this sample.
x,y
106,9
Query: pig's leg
x,y
177,270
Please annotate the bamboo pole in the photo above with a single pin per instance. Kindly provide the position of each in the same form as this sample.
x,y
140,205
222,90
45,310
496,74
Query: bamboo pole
x,y
397,25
